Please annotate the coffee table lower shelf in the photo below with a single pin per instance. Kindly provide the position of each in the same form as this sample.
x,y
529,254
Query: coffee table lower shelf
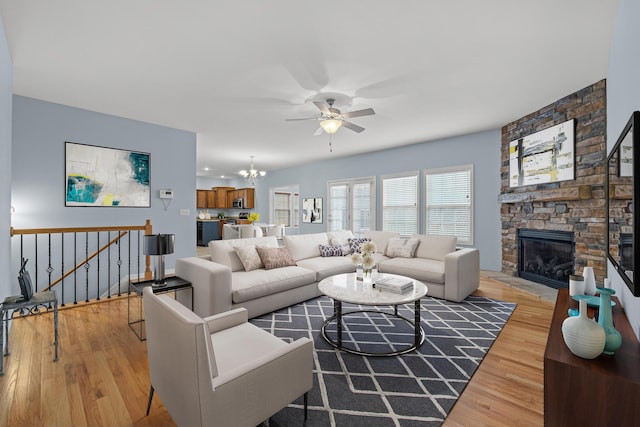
x,y
339,315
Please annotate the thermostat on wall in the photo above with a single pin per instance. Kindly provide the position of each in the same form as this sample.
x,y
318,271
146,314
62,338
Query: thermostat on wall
x,y
166,194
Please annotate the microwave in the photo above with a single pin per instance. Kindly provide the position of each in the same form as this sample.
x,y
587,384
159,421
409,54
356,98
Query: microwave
x,y
238,203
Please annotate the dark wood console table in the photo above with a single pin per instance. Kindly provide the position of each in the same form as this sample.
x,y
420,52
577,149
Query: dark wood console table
x,y
604,391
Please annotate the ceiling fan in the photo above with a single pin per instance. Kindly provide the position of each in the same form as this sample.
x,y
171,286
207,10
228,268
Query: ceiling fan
x,y
331,119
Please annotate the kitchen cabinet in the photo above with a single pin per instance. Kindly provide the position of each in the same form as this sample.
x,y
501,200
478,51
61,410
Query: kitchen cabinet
x,y
247,194
205,199
221,197
207,231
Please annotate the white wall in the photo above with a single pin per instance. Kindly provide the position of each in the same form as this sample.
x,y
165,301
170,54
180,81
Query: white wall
x,y
40,130
6,87
623,97
480,149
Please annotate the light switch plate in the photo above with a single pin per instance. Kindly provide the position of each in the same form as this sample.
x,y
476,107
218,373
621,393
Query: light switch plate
x,y
185,212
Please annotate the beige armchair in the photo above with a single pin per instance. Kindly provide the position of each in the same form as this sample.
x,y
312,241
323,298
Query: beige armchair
x,y
221,370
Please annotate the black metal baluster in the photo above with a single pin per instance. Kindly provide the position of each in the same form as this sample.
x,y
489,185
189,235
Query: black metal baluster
x,y
109,265
119,261
36,263
86,267
49,267
75,270
62,267
98,261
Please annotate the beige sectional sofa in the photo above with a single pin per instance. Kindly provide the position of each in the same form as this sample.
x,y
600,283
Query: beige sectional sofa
x,y
221,282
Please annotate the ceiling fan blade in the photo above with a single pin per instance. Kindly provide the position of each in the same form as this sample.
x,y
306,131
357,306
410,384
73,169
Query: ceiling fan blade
x,y
306,118
352,126
318,131
322,107
359,113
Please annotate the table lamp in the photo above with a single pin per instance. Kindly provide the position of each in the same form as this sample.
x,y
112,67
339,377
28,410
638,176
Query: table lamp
x,y
158,245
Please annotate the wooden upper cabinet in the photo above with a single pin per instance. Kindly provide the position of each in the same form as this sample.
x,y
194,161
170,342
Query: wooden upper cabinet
x,y
211,199
221,196
248,194
201,199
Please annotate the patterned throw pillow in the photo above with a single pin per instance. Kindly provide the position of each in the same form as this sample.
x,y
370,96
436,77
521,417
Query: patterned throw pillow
x,y
275,257
326,250
249,257
402,248
346,249
355,244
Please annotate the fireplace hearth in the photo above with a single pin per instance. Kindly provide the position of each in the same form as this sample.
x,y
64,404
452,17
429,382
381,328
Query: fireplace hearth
x,y
546,256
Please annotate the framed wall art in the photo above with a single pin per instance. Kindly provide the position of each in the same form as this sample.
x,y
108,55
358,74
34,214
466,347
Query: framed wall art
x,y
312,210
545,156
102,176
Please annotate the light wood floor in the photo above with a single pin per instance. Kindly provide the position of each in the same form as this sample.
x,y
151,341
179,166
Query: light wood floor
x,y
102,377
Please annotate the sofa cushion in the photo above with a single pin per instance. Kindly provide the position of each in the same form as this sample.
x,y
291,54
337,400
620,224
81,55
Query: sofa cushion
x,y
328,266
328,250
427,270
222,251
275,257
249,257
303,246
403,248
343,243
381,238
355,243
249,285
433,246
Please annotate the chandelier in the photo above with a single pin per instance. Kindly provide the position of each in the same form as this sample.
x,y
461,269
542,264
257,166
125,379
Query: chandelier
x,y
252,175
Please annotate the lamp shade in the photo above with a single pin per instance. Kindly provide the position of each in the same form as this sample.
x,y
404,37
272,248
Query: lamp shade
x,y
330,125
158,244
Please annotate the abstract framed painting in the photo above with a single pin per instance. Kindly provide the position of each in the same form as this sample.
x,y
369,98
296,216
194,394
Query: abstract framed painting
x,y
544,156
312,210
102,176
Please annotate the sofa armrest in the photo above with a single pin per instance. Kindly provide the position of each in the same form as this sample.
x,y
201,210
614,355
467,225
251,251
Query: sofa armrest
x,y
226,320
211,285
461,273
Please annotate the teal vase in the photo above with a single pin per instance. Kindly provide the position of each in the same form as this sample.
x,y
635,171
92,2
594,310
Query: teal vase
x,y
605,319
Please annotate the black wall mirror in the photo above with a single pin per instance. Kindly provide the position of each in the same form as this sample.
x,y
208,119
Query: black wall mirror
x,y
622,179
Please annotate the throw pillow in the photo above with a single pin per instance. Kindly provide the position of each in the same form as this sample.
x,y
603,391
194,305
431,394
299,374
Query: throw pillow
x,y
275,257
402,248
249,257
346,249
326,250
355,244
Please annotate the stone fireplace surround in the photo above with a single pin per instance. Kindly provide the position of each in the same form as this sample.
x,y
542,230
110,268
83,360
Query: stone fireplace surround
x,y
576,206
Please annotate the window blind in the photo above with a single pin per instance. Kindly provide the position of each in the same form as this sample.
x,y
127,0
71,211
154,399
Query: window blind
x,y
448,196
400,204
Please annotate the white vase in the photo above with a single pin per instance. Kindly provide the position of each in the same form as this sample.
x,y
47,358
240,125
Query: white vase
x,y
576,285
589,281
584,337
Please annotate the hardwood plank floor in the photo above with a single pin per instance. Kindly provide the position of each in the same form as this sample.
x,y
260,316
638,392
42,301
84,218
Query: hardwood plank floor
x,y
101,378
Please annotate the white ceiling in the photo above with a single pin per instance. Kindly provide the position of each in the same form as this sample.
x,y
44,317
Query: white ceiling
x,y
233,70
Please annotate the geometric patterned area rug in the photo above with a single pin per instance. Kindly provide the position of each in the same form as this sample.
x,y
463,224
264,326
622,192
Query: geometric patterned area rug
x,y
413,389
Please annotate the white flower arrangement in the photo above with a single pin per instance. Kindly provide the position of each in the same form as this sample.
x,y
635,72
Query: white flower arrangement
x,y
365,257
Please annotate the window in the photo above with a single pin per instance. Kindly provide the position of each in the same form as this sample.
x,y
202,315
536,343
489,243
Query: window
x,y
400,203
352,205
449,204
285,208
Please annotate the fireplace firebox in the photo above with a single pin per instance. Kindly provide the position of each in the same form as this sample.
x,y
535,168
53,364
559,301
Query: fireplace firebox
x,y
546,256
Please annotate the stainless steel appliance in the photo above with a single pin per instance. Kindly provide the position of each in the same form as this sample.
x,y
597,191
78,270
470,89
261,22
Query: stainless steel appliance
x,y
238,203
243,215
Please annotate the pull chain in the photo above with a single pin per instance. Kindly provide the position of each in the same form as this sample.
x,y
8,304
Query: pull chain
x,y
330,146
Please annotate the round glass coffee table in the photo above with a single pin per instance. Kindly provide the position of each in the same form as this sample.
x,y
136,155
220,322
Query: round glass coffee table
x,y
346,288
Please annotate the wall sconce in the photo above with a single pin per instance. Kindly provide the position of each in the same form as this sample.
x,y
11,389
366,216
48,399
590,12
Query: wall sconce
x,y
158,245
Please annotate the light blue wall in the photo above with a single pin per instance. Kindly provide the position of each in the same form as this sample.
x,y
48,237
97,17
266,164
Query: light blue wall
x,y
40,130
480,149
6,87
623,97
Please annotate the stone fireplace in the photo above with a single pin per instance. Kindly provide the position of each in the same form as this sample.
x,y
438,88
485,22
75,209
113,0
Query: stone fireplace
x,y
575,207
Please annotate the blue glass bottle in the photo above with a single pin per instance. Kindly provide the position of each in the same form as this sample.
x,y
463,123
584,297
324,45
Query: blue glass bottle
x,y
605,319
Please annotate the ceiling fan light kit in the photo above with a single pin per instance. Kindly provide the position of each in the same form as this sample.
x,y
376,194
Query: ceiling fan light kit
x,y
330,126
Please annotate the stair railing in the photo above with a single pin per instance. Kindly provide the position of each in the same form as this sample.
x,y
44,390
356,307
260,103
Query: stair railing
x,y
103,259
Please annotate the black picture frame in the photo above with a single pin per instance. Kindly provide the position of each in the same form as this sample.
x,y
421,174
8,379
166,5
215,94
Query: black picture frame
x,y
622,181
